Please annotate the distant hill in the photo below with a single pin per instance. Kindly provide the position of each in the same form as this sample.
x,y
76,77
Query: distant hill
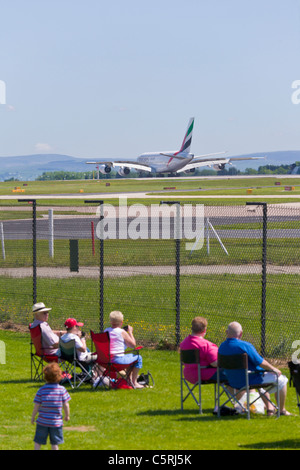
x,y
29,167
286,157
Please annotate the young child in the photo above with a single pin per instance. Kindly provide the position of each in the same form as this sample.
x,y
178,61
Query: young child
x,y
48,404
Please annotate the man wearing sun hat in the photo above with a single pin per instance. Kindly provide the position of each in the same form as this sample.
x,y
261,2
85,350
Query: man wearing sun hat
x,y
50,338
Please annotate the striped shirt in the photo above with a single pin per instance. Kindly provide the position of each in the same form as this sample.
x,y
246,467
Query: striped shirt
x,y
51,398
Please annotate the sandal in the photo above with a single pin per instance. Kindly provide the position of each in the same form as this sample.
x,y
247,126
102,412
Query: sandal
x,y
285,413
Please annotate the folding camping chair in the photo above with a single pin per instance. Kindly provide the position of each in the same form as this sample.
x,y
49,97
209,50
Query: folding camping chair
x,y
295,379
240,362
37,354
118,372
192,356
69,364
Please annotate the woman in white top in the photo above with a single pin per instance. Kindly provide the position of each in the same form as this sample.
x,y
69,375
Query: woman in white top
x,y
120,339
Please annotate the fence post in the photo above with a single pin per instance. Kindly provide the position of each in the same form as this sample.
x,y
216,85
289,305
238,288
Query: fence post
x,y
2,240
177,230
101,271
51,233
34,276
264,274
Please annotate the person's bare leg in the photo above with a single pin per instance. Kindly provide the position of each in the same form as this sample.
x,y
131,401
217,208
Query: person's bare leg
x,y
282,398
134,377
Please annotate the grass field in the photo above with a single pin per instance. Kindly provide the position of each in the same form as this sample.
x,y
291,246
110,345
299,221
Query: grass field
x,y
148,304
151,184
190,187
148,419
285,252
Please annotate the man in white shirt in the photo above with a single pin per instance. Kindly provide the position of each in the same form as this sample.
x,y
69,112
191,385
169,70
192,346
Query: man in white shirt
x,y
50,338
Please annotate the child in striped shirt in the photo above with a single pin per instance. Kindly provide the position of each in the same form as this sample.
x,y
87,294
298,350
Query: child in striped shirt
x,y
49,401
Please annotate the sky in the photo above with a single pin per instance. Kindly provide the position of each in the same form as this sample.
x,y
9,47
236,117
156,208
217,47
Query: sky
x,y
97,79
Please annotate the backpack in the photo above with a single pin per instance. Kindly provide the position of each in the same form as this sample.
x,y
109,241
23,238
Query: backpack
x,y
294,375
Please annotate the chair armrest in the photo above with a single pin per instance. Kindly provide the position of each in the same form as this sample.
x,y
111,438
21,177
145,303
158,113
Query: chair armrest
x,y
133,350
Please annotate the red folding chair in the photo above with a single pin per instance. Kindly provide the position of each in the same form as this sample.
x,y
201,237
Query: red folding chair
x,y
111,369
38,357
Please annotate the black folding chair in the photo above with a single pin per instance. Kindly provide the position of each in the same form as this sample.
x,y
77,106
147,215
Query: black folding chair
x,y
240,362
70,364
192,356
295,379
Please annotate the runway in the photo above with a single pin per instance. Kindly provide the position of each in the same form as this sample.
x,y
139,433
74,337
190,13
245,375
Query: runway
x,y
80,228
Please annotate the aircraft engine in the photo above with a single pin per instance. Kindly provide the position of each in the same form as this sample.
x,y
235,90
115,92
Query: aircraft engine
x,y
192,170
104,169
124,171
221,166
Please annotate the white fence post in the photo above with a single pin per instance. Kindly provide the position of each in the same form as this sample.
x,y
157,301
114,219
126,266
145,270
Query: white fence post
x,y
51,234
2,240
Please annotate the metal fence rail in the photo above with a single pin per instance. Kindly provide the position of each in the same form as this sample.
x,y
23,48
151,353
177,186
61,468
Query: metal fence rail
x,y
244,266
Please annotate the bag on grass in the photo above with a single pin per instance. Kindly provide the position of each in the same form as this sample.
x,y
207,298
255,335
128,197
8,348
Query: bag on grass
x,y
146,379
119,383
256,407
226,411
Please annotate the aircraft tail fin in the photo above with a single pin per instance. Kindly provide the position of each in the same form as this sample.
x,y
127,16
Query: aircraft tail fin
x,y
187,141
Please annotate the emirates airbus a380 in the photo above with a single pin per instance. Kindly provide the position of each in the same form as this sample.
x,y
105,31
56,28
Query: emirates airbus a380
x,y
171,161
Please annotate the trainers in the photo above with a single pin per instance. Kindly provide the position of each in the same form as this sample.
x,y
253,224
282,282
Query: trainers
x,y
101,382
96,382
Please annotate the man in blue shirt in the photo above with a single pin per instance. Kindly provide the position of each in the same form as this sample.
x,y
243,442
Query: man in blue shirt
x,y
236,378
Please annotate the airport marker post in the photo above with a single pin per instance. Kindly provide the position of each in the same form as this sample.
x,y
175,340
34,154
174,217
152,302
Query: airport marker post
x,y
34,276
101,270
264,273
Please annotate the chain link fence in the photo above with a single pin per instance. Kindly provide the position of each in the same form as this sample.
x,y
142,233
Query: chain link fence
x,y
242,265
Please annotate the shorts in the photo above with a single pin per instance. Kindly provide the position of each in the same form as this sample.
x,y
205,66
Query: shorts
x,y
128,359
270,377
55,435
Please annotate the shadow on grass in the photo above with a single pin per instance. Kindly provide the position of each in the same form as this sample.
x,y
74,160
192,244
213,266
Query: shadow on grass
x,y
188,415
286,444
21,381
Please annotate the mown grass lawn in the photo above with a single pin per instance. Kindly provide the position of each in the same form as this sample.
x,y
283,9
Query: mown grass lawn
x,y
148,419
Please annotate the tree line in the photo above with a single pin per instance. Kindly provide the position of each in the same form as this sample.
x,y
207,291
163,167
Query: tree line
x,y
87,175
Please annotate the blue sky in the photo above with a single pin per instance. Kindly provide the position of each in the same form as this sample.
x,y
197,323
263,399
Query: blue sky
x,y
98,79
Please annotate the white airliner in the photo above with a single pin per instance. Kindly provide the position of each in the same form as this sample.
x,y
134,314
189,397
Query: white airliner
x,y
171,161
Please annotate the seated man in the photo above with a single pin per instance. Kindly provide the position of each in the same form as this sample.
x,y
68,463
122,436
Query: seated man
x,y
208,353
50,338
236,378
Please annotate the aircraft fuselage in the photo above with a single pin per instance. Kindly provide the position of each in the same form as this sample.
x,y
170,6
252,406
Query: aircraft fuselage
x,y
165,162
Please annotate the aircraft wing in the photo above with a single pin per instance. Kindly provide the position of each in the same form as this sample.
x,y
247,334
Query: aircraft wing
x,y
197,163
125,164
233,159
204,162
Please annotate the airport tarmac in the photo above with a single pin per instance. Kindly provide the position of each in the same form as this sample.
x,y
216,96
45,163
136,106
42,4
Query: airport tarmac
x,y
145,195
